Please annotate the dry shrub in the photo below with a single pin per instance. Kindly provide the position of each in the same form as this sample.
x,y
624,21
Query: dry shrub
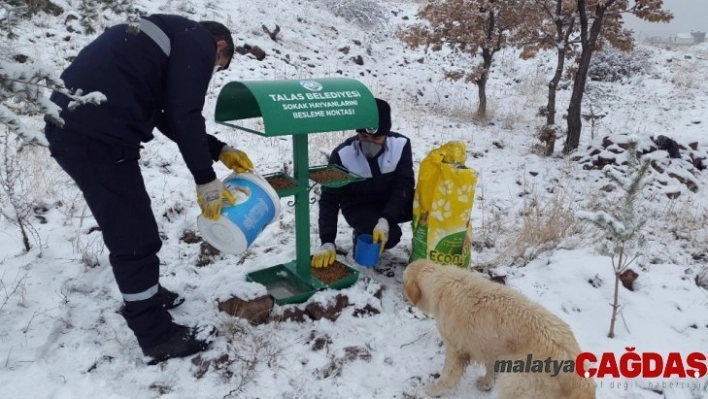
x,y
248,350
367,14
682,221
25,180
534,86
510,118
687,74
464,112
546,223
686,220
612,65
17,288
491,226
547,136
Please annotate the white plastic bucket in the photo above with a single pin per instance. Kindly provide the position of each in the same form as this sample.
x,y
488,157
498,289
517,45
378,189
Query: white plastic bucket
x,y
257,205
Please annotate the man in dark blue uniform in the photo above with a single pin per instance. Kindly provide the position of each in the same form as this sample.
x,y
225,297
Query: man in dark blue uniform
x,y
156,77
378,204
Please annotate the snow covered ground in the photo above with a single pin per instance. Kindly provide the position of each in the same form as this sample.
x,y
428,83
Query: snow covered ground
x,y
60,335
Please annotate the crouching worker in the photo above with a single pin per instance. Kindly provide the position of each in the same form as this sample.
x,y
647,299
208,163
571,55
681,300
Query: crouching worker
x,y
155,78
378,204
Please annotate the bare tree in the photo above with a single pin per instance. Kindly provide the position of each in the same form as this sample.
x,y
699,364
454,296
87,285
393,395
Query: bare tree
x,y
474,27
601,21
556,21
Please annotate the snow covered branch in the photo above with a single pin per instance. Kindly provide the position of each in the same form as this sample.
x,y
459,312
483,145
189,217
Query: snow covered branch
x,y
623,227
604,221
22,91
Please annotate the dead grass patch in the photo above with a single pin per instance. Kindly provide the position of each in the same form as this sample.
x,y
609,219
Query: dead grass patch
x,y
682,221
248,349
545,223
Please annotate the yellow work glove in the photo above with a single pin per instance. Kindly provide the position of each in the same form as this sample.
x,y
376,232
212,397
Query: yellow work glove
x,y
235,160
211,196
324,256
381,233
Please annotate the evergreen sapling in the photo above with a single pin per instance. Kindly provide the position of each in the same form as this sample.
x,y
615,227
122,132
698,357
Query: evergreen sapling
x,y
623,240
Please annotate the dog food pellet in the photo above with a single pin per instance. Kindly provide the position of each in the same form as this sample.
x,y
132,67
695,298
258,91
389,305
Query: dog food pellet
x,y
328,275
327,175
279,182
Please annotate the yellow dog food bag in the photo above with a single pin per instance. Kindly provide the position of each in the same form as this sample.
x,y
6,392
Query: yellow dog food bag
x,y
443,201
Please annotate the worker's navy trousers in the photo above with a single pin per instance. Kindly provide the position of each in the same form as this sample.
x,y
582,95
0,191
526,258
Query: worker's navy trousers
x,y
109,177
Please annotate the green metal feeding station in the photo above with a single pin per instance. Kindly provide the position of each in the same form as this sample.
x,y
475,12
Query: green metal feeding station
x,y
297,108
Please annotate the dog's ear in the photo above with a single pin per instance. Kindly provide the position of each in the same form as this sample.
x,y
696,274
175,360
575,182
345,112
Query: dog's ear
x,y
412,290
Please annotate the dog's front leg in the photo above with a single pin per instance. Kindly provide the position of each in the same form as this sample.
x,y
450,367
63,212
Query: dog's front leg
x,y
455,364
486,382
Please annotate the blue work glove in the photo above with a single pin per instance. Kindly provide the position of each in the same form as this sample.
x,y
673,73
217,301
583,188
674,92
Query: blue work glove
x,y
324,256
381,233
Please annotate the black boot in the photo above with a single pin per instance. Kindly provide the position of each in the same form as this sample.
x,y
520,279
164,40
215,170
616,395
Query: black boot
x,y
167,298
170,300
150,321
184,342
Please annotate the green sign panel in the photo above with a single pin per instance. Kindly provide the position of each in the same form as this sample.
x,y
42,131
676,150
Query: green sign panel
x,y
291,107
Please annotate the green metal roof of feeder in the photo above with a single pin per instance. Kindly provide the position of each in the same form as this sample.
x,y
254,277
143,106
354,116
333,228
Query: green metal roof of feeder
x,y
294,107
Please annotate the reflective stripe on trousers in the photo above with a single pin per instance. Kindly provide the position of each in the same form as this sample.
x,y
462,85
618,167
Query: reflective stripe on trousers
x,y
141,296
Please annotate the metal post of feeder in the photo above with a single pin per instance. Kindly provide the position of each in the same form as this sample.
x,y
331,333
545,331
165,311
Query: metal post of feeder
x,y
302,207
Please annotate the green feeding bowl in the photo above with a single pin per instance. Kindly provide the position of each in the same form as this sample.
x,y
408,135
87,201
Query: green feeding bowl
x,y
283,285
333,176
287,287
346,281
283,184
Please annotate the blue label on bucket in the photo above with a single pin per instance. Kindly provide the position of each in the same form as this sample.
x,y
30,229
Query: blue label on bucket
x,y
253,210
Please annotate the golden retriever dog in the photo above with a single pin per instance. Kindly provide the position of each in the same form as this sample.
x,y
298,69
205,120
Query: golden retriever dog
x,y
485,322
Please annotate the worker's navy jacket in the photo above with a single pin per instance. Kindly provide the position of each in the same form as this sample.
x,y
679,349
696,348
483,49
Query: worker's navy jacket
x,y
388,187
145,88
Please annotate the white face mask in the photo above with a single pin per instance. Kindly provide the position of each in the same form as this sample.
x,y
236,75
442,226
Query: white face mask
x,y
370,149
216,69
